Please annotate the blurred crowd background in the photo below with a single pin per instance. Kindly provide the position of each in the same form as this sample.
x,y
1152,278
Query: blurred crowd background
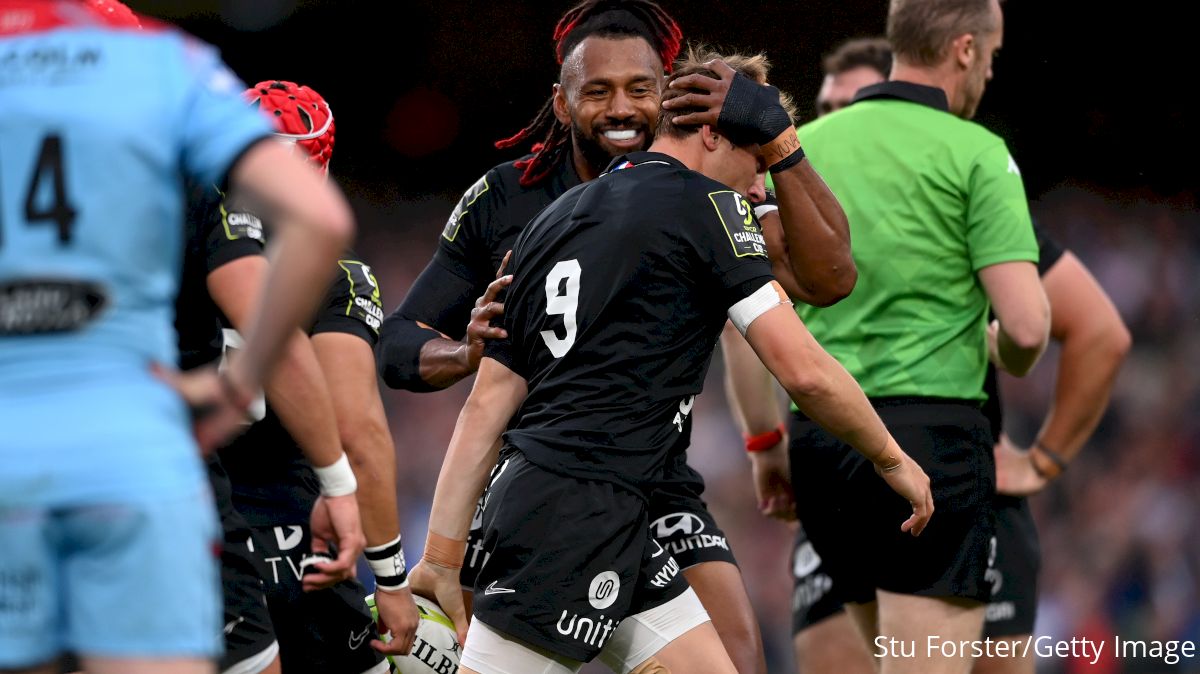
x,y
1093,103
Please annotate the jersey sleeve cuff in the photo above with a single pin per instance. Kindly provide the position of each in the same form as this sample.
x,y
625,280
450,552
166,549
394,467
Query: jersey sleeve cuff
x,y
1000,258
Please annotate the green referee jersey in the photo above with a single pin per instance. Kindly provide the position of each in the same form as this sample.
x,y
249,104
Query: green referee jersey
x,y
931,200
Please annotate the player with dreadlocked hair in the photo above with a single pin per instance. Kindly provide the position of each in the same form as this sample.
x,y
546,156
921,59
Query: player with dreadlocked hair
x,y
613,56
592,17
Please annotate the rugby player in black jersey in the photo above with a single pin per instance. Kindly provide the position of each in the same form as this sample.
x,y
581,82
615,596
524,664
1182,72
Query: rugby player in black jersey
x,y
606,103
622,288
1094,342
324,398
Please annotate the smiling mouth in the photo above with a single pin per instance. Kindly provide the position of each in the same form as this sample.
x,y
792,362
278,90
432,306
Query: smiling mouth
x,y
621,134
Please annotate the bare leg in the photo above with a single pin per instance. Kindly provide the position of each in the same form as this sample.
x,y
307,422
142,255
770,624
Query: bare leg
x,y
698,650
833,645
723,594
911,620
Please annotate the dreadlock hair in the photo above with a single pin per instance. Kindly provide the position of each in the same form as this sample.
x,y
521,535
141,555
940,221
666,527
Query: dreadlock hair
x,y
617,18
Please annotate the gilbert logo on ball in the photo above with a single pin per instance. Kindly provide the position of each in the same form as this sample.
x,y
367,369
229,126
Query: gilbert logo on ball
x,y
435,650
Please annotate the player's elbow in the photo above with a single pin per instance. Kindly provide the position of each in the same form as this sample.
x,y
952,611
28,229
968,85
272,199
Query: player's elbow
x,y
1111,341
401,341
1029,330
836,284
805,380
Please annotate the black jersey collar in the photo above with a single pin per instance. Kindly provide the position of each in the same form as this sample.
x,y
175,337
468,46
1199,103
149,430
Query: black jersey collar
x,y
636,158
905,91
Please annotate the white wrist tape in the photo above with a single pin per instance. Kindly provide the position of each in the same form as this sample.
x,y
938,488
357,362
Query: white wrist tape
x,y
762,209
758,303
337,479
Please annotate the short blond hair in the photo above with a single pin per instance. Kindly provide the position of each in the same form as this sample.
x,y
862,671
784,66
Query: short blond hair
x,y
693,62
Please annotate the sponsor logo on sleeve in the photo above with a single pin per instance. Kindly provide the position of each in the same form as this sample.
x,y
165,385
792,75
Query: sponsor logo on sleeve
x,y
241,225
745,234
364,303
470,197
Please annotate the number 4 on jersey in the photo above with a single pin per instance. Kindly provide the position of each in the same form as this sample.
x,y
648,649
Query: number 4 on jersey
x,y
562,299
50,174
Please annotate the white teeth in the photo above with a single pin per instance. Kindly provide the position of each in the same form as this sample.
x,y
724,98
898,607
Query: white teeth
x,y
624,134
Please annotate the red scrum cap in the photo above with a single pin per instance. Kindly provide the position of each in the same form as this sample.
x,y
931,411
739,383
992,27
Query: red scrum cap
x,y
301,116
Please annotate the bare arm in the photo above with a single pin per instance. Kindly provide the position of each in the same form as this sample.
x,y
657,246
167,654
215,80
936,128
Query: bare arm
x,y
1022,328
298,394
816,236
824,391
314,226
441,361
1094,342
296,388
473,451
750,389
349,366
749,386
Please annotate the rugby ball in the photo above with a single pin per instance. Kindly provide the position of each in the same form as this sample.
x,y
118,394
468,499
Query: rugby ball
x,y
435,650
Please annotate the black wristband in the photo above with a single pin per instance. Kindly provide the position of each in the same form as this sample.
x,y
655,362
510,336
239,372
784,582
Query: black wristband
x,y
1053,456
788,161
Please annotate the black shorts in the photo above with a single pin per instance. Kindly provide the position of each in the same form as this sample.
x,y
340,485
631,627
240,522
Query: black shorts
x,y
1014,575
680,519
813,595
247,628
567,559
323,632
853,518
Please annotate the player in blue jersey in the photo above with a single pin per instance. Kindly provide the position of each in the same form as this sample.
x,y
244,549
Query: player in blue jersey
x,y
103,496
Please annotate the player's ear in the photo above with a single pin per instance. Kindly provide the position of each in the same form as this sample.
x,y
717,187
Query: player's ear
x,y
964,50
561,111
710,138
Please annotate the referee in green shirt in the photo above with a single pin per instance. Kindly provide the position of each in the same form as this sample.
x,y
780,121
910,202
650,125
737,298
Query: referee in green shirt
x,y
941,232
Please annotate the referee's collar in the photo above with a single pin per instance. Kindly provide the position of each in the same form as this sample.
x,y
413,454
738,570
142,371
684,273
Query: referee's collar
x,y
637,158
905,91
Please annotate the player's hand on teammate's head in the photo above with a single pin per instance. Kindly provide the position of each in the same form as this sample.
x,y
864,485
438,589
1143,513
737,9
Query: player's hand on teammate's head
x,y
907,479
218,411
1015,472
709,104
335,518
741,108
397,615
773,482
442,585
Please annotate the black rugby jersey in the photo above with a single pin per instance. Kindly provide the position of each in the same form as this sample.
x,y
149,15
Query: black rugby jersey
x,y
621,289
272,481
1049,253
482,228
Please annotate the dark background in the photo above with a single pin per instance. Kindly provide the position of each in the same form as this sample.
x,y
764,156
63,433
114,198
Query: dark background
x,y
1082,92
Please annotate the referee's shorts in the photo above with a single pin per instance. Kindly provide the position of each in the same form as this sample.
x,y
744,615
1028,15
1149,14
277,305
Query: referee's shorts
x,y
853,518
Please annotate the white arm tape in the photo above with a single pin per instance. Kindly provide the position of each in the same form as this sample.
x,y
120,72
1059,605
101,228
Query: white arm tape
x,y
762,209
756,304
337,479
